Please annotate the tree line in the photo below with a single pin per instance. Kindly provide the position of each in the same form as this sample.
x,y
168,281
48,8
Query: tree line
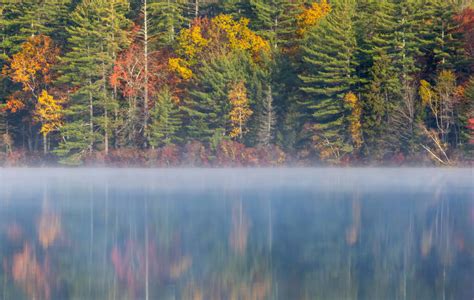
x,y
338,82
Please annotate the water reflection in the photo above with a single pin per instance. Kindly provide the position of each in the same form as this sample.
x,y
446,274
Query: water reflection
x,y
237,234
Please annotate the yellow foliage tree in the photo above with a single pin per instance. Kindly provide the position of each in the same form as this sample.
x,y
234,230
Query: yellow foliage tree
x,y
239,36
49,112
312,15
355,126
206,39
241,111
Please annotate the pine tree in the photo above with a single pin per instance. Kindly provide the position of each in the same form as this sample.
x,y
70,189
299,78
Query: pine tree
x,y
380,99
375,27
23,19
440,42
165,120
95,36
329,58
166,18
275,20
208,107
403,122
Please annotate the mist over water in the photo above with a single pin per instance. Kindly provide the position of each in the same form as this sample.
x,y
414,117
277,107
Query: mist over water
x,y
237,233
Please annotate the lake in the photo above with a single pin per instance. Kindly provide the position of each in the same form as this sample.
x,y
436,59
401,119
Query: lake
x,y
237,234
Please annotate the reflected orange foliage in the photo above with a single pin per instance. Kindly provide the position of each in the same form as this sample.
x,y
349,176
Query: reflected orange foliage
x,y
352,234
49,229
191,291
180,267
257,288
130,266
426,242
30,275
240,230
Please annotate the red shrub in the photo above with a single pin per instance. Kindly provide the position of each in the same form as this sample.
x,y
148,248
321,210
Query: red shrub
x,y
230,154
169,156
195,154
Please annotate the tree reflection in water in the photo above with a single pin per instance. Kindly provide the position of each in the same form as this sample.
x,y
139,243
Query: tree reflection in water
x,y
327,235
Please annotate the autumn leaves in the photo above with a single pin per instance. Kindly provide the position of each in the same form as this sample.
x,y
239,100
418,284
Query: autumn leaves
x,y
32,68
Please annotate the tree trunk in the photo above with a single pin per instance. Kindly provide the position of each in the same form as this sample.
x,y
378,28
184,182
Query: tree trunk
x,y
91,123
106,113
145,50
45,144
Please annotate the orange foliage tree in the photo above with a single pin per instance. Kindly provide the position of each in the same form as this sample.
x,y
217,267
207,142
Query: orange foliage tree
x,y
32,68
128,77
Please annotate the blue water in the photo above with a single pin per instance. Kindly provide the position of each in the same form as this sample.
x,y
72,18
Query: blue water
x,y
237,234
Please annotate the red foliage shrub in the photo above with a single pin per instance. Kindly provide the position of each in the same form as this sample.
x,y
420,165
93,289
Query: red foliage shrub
x,y
230,154
18,159
169,156
271,156
196,154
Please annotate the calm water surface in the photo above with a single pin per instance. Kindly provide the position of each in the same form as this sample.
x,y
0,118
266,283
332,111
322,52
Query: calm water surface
x,y
237,234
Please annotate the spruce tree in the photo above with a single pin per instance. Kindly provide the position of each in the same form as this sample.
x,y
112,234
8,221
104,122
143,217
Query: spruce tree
x,y
165,120
207,108
166,18
440,42
96,34
381,96
375,27
275,20
328,77
403,122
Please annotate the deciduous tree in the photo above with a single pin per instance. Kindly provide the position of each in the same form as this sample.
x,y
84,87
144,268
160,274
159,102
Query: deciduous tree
x,y
240,111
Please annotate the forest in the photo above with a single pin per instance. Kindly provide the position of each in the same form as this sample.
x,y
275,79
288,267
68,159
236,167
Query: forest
x,y
236,82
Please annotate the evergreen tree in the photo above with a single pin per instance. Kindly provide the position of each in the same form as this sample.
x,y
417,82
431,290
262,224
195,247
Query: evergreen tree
x,y
20,20
166,18
375,27
328,77
166,120
403,122
275,20
208,107
440,42
96,34
380,98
